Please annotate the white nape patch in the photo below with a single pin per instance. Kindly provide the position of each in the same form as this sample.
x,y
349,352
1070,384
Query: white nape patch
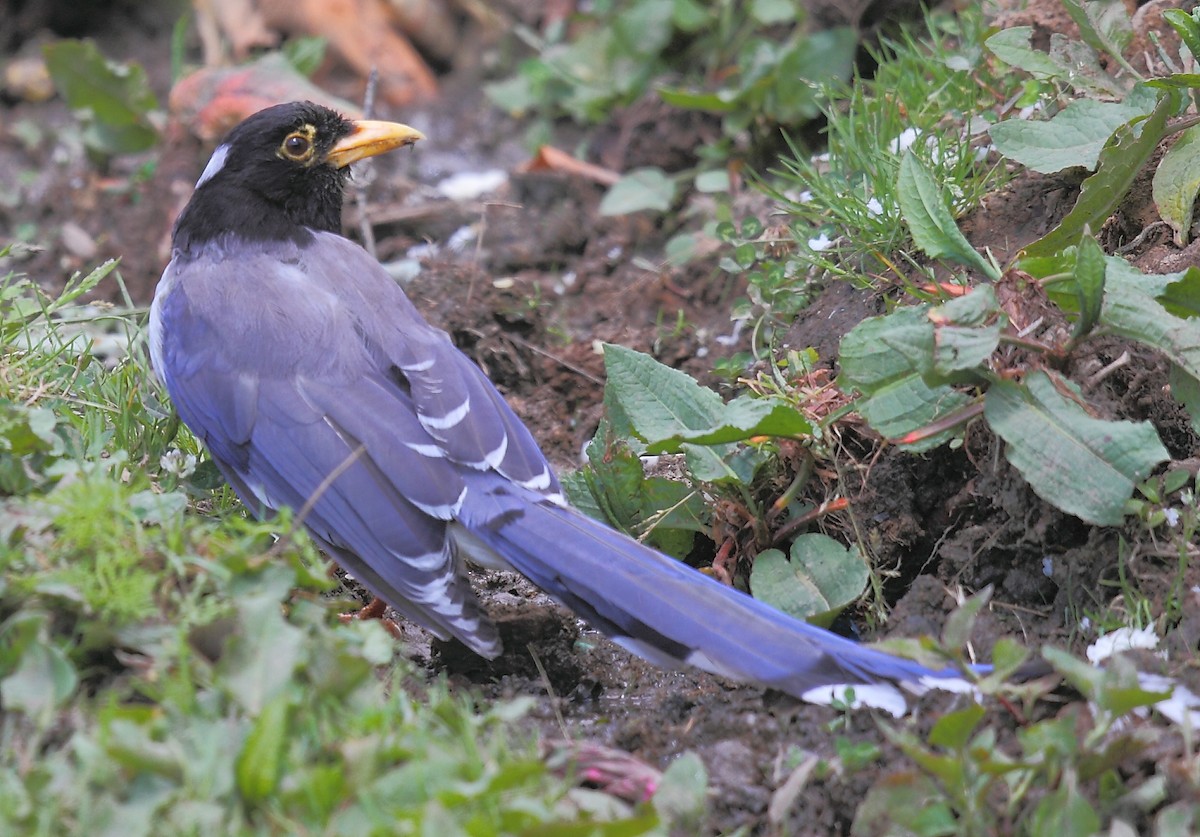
x,y
1122,639
215,163
875,695
449,420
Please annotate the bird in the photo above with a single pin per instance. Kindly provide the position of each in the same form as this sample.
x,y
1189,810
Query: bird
x,y
314,383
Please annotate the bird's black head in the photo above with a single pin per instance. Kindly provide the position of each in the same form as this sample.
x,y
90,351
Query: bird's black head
x,y
281,173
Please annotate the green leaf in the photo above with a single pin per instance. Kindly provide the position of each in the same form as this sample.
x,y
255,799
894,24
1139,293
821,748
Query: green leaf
x,y
953,730
1181,297
646,188
878,360
260,763
1104,25
1177,183
743,418
305,54
266,648
662,403
1085,466
1015,47
697,100
115,99
1131,311
1089,272
818,582
1188,28
1186,390
42,680
965,332
928,216
1122,158
682,792
1075,136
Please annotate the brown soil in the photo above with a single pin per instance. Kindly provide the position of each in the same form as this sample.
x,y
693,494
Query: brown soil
x,y
547,279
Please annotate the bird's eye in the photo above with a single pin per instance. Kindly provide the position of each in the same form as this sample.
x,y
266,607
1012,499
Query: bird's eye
x,y
297,146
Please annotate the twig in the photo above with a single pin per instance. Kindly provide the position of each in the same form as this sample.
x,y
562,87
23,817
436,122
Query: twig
x,y
566,364
365,230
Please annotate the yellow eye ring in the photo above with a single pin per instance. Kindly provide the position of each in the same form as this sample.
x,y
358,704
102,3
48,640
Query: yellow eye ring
x,y
298,145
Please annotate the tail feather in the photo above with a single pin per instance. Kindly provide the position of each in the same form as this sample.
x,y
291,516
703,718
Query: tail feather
x,y
666,611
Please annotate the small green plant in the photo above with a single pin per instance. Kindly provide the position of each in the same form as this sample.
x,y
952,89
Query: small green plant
x,y
169,666
114,101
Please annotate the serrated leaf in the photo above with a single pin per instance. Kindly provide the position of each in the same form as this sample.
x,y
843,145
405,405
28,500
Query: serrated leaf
x,y
1177,183
646,188
1075,136
1085,466
817,582
1122,158
929,219
260,762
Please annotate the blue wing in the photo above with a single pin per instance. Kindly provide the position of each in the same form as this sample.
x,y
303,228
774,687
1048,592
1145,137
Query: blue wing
x,y
313,380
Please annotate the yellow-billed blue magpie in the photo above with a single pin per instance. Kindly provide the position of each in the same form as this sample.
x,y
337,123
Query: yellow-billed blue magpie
x,y
311,378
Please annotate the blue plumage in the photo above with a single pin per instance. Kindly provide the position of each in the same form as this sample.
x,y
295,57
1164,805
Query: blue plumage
x,y
311,378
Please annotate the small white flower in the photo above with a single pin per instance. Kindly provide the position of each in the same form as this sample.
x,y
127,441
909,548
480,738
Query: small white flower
x,y
903,142
1122,639
821,242
178,463
874,208
1172,517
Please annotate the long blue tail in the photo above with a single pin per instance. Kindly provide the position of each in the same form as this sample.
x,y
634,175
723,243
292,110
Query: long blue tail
x,y
665,611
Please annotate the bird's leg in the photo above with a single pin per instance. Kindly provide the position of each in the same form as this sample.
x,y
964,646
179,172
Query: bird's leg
x,y
374,609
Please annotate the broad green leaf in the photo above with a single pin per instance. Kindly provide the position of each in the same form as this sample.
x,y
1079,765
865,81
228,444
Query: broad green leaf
x,y
1132,312
1177,81
1015,47
966,331
115,98
1104,25
661,403
819,580
878,360
1182,296
260,763
1177,183
42,679
647,188
953,730
683,790
930,221
266,648
1085,466
1119,163
774,11
1089,275
1188,28
1069,60
743,418
1075,136
1186,390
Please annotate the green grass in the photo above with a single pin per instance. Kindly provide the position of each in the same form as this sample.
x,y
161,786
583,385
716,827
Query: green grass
x,y
167,666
